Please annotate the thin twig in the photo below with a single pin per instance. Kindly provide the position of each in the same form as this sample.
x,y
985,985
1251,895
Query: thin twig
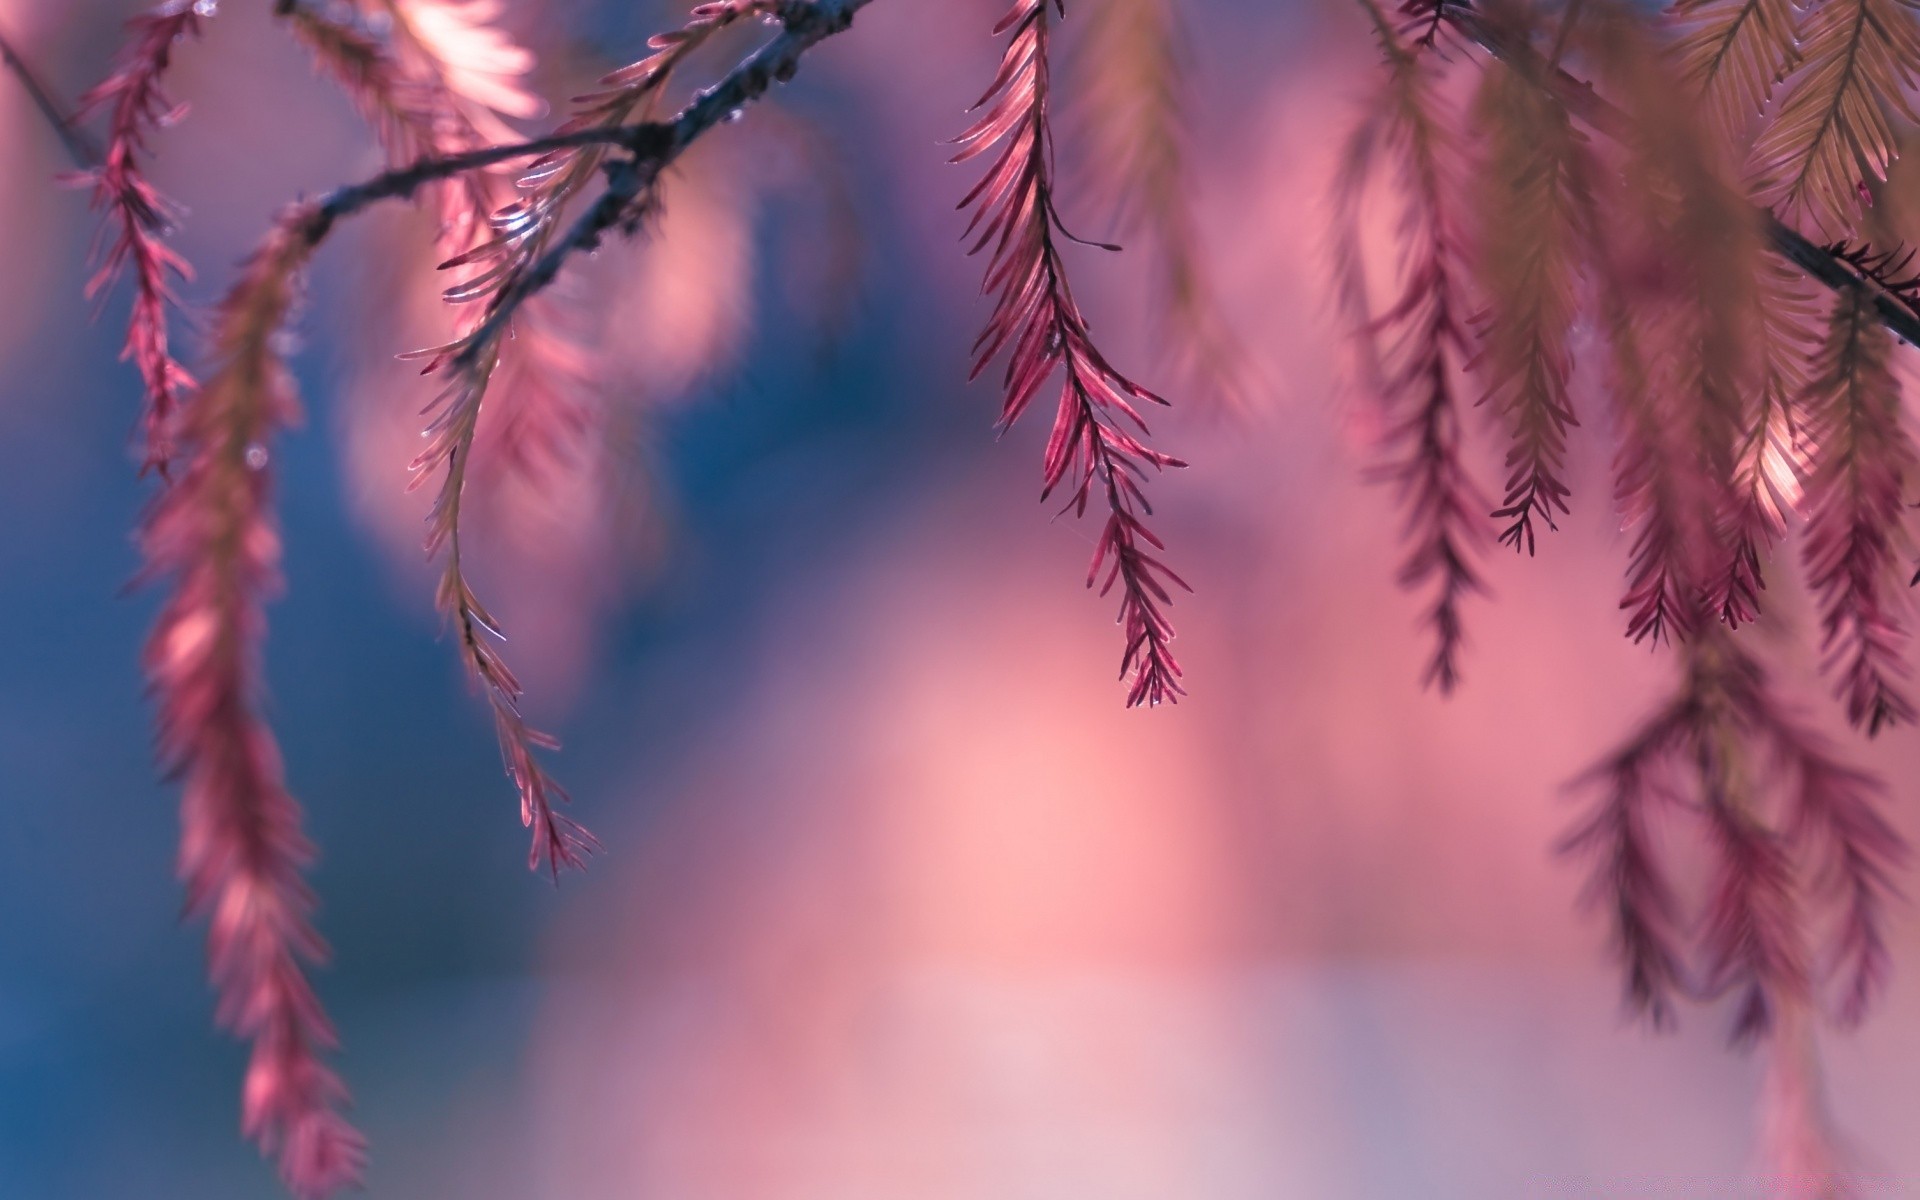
x,y
644,140
805,22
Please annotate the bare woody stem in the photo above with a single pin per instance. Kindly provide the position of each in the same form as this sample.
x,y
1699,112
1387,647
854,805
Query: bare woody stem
x,y
1579,99
643,140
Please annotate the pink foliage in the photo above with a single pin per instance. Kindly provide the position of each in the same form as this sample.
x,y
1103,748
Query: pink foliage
x,y
138,218
242,851
1038,325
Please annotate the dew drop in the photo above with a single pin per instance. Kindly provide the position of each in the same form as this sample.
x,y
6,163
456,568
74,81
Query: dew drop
x,y
206,8
733,116
256,457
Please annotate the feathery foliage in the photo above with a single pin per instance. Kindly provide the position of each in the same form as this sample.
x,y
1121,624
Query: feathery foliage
x,y
1038,326
1533,219
1420,342
1741,408
1832,131
139,218
213,535
1645,242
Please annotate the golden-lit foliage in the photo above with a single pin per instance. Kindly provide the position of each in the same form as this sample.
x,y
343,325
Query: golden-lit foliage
x,y
1734,53
1833,129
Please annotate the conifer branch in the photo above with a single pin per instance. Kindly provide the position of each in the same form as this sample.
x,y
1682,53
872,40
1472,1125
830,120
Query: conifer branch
x,y
138,219
1831,130
1134,107
1037,324
1420,343
1534,206
1735,52
242,851
1863,457
1796,837
1599,114
213,536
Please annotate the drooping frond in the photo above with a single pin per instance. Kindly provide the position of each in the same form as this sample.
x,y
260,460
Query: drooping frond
x,y
1627,881
1795,840
1831,132
1856,515
459,71
1421,343
133,241
242,852
1835,814
1677,260
1532,204
1037,325
1751,941
521,261
1735,52
1667,508
1133,105
522,233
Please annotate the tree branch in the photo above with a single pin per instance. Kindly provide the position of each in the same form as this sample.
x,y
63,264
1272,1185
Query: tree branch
x,y
805,23
644,140
1578,98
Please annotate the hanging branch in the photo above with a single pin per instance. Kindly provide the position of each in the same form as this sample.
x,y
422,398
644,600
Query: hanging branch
x,y
137,218
1831,129
1594,111
1735,52
468,363
213,535
1680,263
1856,516
1420,342
1796,836
1134,109
1534,203
242,852
1037,323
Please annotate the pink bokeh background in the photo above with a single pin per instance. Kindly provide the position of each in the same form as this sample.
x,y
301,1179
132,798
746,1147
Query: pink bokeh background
x,y
898,900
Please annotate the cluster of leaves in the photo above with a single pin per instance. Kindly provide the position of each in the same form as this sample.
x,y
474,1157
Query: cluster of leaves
x,y
1682,247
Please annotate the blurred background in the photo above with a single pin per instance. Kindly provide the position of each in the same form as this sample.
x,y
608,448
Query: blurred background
x,y
896,899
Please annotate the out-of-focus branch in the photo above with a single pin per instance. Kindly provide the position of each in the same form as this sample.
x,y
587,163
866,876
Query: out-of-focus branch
x,y
81,148
1588,106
